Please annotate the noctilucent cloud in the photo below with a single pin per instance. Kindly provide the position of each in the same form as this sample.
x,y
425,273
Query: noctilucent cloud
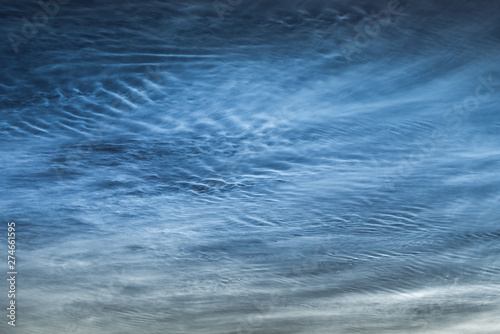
x,y
251,166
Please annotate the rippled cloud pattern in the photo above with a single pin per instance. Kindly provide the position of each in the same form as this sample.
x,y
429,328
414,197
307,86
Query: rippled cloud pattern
x,y
251,166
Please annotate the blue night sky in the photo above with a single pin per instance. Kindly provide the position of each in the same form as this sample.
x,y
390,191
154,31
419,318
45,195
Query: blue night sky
x,y
251,166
